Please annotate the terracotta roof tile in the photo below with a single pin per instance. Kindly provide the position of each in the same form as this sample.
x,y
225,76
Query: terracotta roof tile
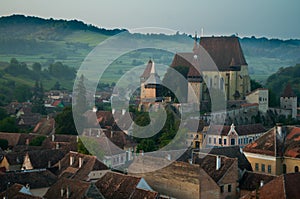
x,y
35,179
225,51
208,163
114,185
251,181
290,146
231,152
75,189
14,192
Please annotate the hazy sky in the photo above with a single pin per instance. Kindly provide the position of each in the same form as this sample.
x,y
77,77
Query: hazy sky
x,y
270,18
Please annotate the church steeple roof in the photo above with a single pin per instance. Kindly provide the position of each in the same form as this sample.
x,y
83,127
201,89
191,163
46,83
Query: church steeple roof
x,y
288,92
154,77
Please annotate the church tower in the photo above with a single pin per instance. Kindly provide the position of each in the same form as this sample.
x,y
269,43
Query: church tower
x,y
288,100
150,85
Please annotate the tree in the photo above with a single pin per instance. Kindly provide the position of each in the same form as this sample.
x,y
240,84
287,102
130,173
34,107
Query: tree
x,y
8,124
65,123
3,113
37,67
3,144
56,86
80,94
37,141
38,99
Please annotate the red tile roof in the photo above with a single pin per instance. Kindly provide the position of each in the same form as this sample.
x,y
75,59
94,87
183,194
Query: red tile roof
x,y
241,129
290,146
225,51
208,163
114,185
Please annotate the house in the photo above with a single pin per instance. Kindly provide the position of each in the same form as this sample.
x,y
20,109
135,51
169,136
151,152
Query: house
x,y
252,181
231,152
18,191
38,180
194,136
219,135
79,166
259,96
115,185
218,177
71,188
40,159
282,187
276,152
211,177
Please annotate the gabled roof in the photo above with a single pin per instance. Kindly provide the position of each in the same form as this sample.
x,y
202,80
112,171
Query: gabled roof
x,y
90,163
271,143
35,179
225,51
288,92
16,191
208,163
114,185
40,158
251,181
231,152
282,187
75,189
241,129
144,194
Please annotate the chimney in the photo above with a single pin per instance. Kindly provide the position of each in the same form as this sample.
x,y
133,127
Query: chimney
x,y
53,137
80,162
94,109
68,192
59,165
62,192
123,111
168,156
218,162
77,138
71,160
57,145
49,164
113,111
261,183
27,187
27,141
279,129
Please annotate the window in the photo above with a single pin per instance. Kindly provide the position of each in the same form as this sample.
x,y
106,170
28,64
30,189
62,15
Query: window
x,y
225,142
209,140
220,141
263,167
222,189
232,141
215,140
269,169
229,188
256,167
296,169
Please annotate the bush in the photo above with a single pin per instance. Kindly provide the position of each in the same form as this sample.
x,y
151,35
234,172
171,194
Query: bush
x,y
3,144
37,141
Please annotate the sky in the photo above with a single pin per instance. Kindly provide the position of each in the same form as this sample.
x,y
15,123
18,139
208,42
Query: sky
x,y
260,18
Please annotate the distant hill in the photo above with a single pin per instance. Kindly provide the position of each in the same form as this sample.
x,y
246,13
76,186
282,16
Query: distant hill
x,y
284,76
33,39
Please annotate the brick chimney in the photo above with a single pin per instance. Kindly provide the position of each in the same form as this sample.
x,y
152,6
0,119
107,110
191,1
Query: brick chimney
x,y
279,129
